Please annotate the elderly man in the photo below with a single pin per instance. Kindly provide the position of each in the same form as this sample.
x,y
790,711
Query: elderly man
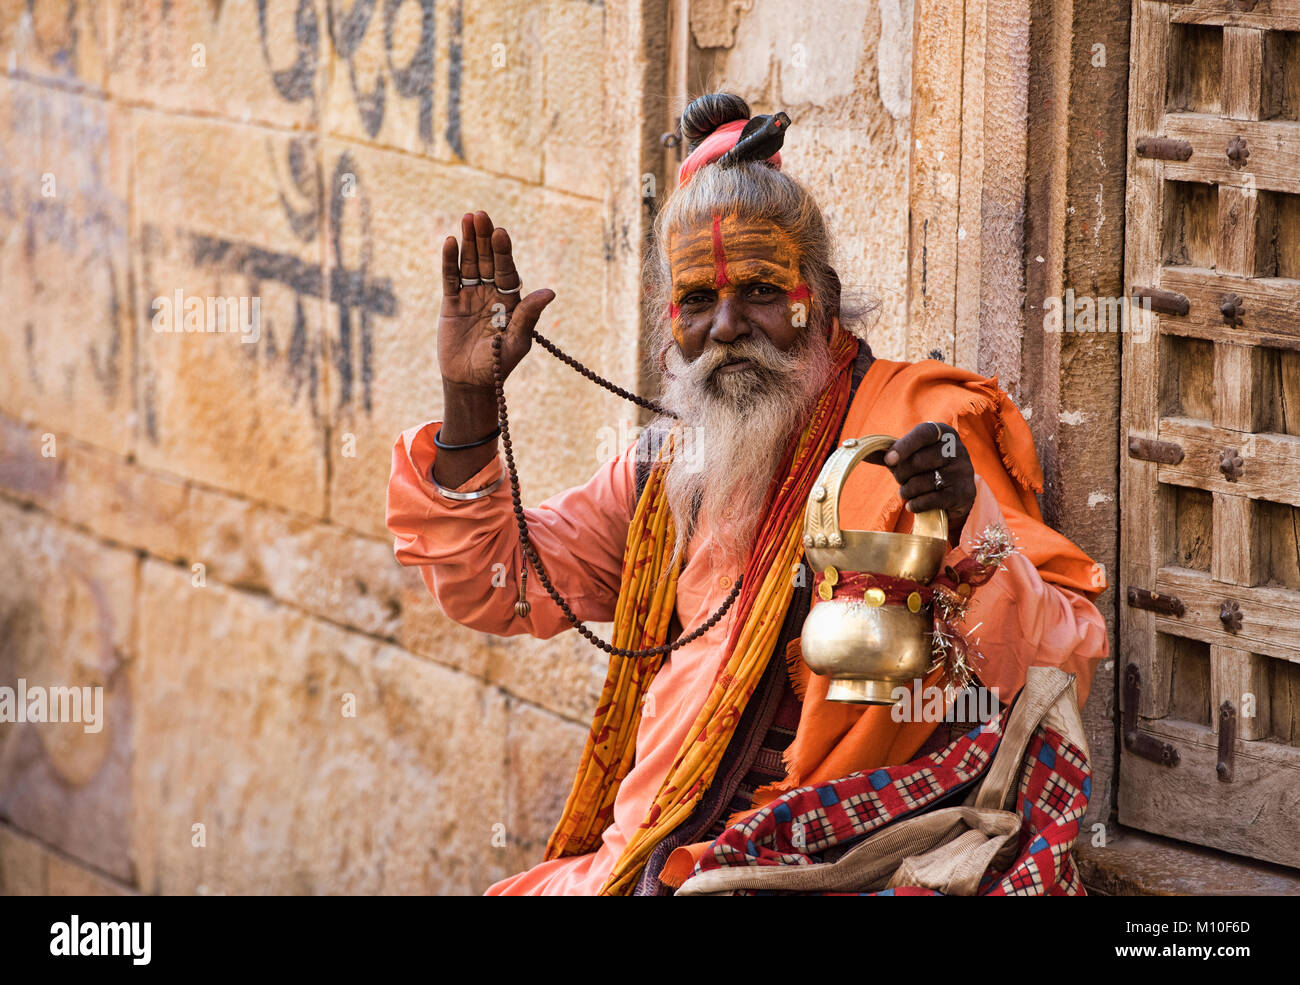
x,y
691,544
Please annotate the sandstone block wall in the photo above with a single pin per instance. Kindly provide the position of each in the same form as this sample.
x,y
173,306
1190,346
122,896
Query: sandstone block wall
x,y
195,522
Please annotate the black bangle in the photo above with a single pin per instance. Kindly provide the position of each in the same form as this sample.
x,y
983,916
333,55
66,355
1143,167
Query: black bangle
x,y
437,440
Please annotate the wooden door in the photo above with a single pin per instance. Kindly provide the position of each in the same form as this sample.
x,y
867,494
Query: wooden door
x,y
1210,477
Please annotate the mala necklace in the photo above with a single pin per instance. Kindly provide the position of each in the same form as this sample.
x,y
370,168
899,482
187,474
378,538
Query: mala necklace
x,y
530,553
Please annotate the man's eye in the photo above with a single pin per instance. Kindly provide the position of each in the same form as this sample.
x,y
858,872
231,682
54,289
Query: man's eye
x,y
764,290
699,297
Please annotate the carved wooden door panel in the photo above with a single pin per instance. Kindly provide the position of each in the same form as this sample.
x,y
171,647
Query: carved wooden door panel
x,y
1210,476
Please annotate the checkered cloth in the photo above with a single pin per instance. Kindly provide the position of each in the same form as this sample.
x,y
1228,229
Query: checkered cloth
x,y
1055,781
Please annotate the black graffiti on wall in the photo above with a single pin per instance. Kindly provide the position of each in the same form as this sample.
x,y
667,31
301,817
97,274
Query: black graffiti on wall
x,y
347,27
352,291
409,75
296,82
357,293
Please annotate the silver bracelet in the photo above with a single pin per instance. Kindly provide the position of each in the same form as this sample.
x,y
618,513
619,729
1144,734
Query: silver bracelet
x,y
487,490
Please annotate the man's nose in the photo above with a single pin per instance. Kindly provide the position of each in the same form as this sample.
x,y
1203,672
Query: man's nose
x,y
729,322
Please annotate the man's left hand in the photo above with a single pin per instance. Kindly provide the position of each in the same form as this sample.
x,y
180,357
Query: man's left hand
x,y
933,470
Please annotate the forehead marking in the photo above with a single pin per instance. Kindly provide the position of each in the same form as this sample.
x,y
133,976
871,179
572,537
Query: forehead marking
x,y
688,248
720,278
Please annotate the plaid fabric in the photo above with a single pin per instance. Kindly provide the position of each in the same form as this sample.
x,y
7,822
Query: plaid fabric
x,y
1055,782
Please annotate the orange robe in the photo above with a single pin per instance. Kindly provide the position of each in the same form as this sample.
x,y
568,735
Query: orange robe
x,y
1035,611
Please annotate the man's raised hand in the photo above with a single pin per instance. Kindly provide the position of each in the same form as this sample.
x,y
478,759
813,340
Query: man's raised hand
x,y
479,298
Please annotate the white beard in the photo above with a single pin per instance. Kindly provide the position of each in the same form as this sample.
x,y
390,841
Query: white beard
x,y
735,429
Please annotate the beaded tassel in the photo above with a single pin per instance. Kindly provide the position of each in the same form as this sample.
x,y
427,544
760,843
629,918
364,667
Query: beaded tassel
x,y
522,607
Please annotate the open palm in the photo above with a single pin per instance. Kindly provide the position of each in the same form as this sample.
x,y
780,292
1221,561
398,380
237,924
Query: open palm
x,y
472,313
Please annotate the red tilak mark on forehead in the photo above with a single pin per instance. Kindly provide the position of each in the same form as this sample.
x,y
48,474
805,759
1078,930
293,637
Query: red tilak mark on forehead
x,y
800,293
720,278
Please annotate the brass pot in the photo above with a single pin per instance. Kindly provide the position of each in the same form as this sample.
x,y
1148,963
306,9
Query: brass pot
x,y
867,650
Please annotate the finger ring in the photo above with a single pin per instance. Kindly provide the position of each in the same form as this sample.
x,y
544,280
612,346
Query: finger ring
x,y
488,280
468,281
938,480
938,431
509,290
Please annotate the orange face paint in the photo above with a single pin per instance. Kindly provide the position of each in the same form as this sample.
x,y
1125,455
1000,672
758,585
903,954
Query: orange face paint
x,y
728,255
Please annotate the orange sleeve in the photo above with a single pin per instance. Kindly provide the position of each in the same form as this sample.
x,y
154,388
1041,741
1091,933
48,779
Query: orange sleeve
x,y
1058,559
1019,620
468,551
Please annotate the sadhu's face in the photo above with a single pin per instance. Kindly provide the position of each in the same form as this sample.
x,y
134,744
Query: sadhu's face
x,y
732,277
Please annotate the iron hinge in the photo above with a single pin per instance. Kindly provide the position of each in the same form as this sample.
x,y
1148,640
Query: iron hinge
x,y
1161,301
1166,605
1151,450
1227,740
1164,148
1136,742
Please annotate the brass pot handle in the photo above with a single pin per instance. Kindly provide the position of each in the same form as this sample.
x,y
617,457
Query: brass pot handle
x,y
821,523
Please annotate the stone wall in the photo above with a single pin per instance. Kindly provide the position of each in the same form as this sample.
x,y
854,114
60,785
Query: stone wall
x,y
195,522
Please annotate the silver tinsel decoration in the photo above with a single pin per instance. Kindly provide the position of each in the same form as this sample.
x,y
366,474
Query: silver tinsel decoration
x,y
951,646
992,546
